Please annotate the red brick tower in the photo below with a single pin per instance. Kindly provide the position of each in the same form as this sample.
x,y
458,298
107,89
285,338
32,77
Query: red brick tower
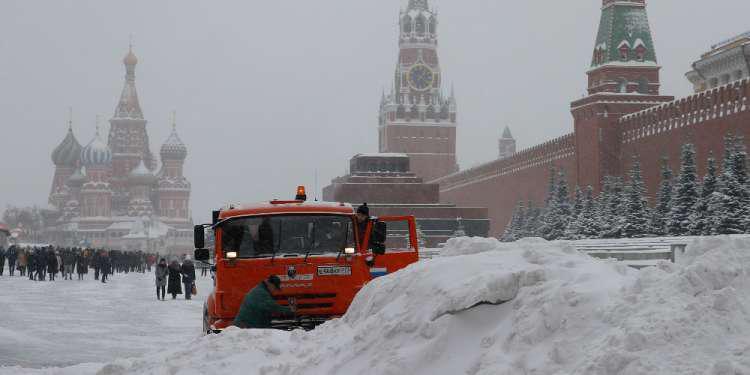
x,y
173,187
66,158
416,118
624,78
128,138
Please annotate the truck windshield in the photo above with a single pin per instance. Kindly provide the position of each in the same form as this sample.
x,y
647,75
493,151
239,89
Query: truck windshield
x,y
264,236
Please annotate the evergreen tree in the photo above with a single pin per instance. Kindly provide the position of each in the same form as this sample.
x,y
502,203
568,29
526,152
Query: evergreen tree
x,y
703,217
685,194
532,224
636,223
559,211
727,205
514,230
610,208
578,202
586,224
663,200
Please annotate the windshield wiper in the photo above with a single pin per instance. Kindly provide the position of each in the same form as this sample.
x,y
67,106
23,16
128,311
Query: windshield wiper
x,y
276,248
346,240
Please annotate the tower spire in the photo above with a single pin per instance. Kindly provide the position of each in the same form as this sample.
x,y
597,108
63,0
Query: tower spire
x,y
418,4
624,57
129,107
70,118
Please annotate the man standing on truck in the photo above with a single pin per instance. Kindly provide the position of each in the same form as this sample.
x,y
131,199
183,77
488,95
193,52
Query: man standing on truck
x,y
259,306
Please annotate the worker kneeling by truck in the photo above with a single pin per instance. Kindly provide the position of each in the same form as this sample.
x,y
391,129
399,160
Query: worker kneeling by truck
x,y
258,307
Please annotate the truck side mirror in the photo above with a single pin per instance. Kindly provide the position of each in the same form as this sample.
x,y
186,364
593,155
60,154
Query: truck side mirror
x,y
202,255
199,237
379,237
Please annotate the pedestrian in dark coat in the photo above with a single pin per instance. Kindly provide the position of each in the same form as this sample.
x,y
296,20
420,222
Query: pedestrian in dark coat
x,y
188,277
2,260
258,307
105,266
161,273
12,255
52,266
82,265
174,288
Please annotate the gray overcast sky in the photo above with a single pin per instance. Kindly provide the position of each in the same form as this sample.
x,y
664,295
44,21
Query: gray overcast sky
x,y
268,92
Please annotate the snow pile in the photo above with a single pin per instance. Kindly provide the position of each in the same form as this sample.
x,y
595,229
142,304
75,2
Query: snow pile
x,y
566,313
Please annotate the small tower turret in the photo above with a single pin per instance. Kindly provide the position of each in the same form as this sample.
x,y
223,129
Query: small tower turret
x,y
174,188
506,144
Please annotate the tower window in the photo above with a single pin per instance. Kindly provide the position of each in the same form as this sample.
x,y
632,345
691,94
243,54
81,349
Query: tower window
x,y
643,86
433,25
406,22
624,52
420,25
640,52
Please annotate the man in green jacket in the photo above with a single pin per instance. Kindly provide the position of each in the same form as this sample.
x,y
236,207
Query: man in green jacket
x,y
259,306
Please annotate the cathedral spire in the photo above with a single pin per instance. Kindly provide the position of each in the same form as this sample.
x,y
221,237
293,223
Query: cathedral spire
x,y
128,107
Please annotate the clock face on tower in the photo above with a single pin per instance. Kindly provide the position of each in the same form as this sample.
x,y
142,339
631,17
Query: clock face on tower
x,y
420,77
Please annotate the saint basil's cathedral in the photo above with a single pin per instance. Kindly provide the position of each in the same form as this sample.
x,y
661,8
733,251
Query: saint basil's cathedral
x,y
114,193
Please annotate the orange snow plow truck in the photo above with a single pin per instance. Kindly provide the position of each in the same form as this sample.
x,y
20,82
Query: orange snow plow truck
x,y
321,252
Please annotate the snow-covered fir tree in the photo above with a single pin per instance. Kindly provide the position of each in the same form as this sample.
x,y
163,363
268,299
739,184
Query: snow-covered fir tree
x,y
663,200
515,228
609,207
559,211
533,221
727,203
578,202
635,214
585,225
702,217
685,194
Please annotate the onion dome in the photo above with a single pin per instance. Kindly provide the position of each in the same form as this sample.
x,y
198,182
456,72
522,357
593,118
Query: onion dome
x,y
68,152
141,175
96,153
77,178
173,148
130,58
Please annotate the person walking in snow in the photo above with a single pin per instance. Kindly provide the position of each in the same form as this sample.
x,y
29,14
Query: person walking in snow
x,y
23,261
12,256
82,265
174,288
2,259
161,273
188,277
52,266
258,307
105,266
69,262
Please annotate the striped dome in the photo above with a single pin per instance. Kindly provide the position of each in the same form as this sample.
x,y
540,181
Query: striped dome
x,y
68,152
173,148
96,153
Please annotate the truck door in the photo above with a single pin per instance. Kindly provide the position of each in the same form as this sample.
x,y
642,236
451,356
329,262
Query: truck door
x,y
400,247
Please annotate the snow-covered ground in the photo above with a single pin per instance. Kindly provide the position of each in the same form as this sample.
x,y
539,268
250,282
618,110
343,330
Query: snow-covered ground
x,y
566,313
70,322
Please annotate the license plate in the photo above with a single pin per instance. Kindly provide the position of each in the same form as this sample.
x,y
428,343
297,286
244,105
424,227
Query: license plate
x,y
334,271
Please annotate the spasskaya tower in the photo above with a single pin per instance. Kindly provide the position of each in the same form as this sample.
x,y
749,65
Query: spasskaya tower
x,y
416,117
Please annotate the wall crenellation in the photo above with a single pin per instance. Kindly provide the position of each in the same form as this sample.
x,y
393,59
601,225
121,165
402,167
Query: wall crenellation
x,y
692,110
535,156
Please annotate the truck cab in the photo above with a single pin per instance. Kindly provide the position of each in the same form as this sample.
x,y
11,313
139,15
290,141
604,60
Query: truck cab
x,y
321,252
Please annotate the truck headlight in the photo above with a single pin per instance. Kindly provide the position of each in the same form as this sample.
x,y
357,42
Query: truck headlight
x,y
231,254
349,251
